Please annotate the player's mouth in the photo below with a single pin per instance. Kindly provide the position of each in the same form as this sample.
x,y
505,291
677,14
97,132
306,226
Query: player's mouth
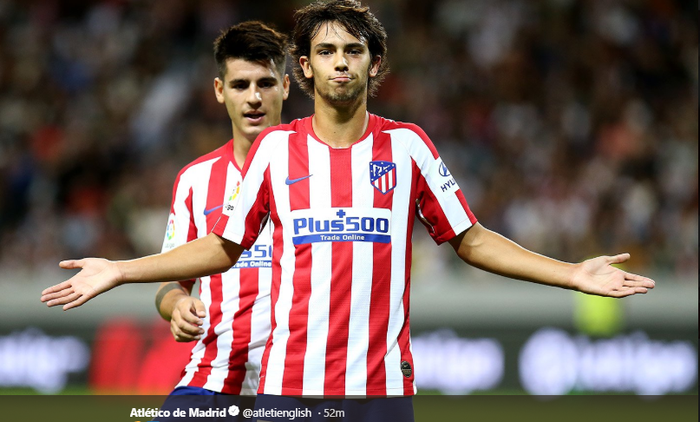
x,y
341,78
254,117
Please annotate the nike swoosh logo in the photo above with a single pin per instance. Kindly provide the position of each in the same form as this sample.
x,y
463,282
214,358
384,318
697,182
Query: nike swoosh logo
x,y
211,210
293,181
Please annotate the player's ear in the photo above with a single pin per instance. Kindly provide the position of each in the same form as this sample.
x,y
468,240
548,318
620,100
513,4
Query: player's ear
x,y
374,67
306,67
219,89
285,86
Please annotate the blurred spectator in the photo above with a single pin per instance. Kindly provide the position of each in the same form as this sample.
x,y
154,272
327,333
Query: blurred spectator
x,y
570,125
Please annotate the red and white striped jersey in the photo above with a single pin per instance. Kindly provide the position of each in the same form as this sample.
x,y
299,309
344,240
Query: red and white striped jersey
x,y
227,357
343,221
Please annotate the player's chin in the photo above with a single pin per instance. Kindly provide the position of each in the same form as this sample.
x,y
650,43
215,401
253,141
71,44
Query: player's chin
x,y
252,131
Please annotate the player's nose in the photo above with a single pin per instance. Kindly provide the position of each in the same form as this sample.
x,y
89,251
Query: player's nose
x,y
254,95
341,63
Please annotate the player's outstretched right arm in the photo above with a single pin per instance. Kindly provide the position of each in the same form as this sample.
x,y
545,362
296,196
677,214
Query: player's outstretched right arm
x,y
208,255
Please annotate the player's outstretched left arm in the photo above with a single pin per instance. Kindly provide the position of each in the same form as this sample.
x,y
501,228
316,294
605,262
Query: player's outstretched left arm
x,y
205,256
492,252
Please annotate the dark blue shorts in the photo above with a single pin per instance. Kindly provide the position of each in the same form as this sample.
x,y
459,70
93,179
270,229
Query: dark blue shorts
x,y
285,409
202,405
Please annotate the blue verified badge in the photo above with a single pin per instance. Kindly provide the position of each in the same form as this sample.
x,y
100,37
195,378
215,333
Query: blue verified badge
x,y
441,176
382,175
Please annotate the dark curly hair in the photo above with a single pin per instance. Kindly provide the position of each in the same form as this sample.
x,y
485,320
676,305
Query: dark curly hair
x,y
355,18
252,41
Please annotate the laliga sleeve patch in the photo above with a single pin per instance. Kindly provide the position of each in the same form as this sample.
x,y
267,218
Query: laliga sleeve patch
x,y
232,200
169,241
442,178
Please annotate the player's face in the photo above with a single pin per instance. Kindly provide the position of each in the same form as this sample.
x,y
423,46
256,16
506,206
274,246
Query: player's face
x,y
253,95
339,64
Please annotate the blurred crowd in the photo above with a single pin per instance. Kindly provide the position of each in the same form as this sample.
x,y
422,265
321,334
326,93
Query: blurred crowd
x,y
571,126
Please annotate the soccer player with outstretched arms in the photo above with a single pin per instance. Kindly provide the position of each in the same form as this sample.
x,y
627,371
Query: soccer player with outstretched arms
x,y
342,189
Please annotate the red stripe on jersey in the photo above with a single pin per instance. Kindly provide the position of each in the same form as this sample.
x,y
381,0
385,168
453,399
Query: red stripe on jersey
x,y
241,327
192,229
215,197
380,301
341,277
298,322
299,197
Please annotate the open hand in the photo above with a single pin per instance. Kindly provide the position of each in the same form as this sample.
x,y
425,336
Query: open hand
x,y
597,276
96,276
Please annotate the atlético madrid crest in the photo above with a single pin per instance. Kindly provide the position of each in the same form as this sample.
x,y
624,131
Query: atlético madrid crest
x,y
382,175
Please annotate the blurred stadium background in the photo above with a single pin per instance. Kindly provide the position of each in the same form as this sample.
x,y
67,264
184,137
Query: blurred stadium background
x,y
571,126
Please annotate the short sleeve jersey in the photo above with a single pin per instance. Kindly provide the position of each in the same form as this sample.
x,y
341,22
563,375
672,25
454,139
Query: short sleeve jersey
x,y
227,358
343,221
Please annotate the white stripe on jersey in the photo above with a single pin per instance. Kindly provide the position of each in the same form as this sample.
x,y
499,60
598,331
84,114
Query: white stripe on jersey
x,y
276,359
260,318
321,270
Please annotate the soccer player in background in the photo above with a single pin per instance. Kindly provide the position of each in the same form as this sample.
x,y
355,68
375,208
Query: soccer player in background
x,y
342,189
231,322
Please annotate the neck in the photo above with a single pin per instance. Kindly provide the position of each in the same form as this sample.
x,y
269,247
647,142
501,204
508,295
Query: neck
x,y
241,146
340,125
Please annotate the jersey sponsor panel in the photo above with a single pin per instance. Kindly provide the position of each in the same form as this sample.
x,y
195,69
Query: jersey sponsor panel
x,y
341,225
